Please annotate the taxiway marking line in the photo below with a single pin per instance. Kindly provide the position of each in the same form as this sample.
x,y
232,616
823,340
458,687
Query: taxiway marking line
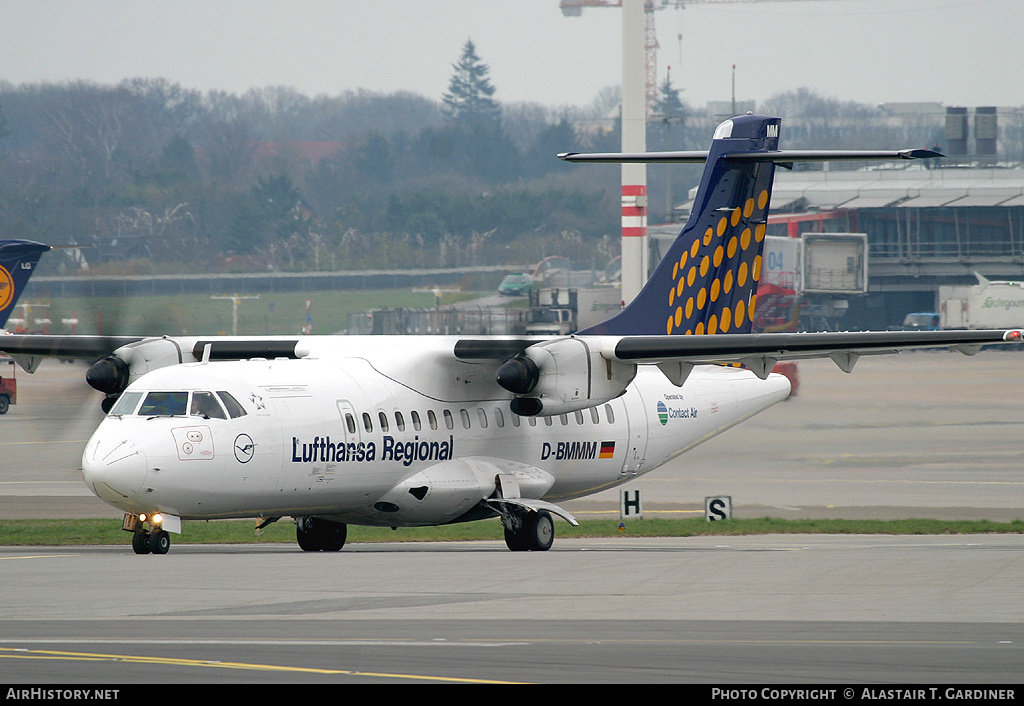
x,y
21,653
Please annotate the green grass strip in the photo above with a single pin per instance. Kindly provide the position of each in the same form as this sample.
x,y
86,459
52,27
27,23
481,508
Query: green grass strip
x,y
98,532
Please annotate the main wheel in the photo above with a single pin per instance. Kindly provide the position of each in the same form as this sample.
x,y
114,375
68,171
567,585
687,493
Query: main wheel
x,y
5,404
333,536
315,535
536,534
539,529
514,541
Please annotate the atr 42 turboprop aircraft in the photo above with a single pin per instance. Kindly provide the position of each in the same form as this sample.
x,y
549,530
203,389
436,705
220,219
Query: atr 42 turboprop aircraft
x,y
429,430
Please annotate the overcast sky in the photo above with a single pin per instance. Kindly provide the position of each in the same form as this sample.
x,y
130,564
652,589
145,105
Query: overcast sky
x,y
955,52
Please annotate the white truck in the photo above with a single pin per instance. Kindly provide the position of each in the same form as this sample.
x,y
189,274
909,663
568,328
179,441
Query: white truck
x,y
986,305
559,312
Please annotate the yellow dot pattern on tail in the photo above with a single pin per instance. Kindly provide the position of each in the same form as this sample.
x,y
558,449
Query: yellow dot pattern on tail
x,y
714,283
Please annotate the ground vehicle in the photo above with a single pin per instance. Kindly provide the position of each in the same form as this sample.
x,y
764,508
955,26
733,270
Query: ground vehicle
x,y
983,305
8,385
921,321
517,284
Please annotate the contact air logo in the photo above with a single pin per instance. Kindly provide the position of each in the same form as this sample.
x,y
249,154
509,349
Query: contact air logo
x,y
6,288
665,413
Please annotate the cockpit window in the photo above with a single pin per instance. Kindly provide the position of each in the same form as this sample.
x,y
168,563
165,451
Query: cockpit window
x,y
204,404
164,403
235,409
126,403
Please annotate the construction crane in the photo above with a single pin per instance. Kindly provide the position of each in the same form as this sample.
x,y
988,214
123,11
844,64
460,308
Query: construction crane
x,y
574,8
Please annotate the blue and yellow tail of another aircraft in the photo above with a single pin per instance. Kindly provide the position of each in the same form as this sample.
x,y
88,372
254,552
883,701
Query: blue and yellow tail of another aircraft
x,y
18,259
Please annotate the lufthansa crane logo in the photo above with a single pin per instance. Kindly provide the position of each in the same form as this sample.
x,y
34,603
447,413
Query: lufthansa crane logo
x,y
244,448
6,288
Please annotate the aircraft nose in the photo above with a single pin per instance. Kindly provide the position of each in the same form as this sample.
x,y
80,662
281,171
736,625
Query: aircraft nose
x,y
114,468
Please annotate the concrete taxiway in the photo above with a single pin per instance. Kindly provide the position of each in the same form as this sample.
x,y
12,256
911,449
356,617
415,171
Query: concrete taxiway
x,y
707,610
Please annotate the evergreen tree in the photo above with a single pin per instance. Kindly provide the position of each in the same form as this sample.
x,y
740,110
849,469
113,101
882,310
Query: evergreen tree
x,y
667,104
469,93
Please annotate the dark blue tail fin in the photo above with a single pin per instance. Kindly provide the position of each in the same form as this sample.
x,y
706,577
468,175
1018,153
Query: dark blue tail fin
x,y
18,259
707,281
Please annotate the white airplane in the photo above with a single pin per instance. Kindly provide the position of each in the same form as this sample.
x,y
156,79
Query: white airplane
x,y
430,430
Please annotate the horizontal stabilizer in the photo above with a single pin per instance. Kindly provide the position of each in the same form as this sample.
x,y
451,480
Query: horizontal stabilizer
x,y
695,157
777,157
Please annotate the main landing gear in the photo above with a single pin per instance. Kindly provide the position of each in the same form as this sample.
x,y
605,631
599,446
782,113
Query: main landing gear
x,y
529,531
316,535
153,539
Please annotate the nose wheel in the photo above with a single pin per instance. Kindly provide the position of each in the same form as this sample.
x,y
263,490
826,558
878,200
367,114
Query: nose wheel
x,y
155,542
148,536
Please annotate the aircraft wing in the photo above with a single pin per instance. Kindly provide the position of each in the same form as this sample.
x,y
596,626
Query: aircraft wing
x,y
566,374
70,346
760,351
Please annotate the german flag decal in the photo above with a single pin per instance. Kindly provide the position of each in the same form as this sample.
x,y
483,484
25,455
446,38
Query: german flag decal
x,y
607,449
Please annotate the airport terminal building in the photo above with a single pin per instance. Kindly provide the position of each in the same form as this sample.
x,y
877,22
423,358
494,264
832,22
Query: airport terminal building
x,y
925,227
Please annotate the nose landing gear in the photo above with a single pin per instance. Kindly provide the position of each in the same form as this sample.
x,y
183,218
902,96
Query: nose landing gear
x,y
151,539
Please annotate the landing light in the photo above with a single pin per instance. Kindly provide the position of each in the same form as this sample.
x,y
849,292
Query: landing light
x,y
157,518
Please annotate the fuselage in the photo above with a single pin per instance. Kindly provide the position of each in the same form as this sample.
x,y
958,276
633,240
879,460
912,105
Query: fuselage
x,y
386,431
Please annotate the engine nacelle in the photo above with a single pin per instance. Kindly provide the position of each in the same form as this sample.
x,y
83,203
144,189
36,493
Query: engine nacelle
x,y
128,363
562,376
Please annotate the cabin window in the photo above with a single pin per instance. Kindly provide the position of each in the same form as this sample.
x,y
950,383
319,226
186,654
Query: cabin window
x,y
579,417
483,417
448,421
399,421
367,421
432,419
204,404
594,416
515,420
465,418
234,409
164,403
383,421
533,421
548,421
350,423
609,413
126,403
563,418
416,420
499,418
